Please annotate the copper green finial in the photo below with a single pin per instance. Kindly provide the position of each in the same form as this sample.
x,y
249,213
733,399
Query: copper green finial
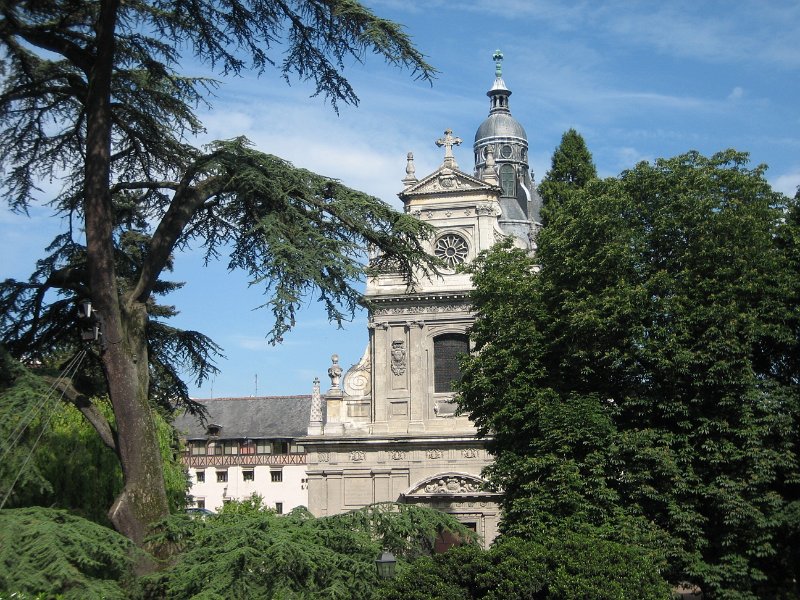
x,y
498,63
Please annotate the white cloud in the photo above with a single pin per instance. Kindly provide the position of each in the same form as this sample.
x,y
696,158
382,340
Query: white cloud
x,y
749,31
736,93
787,183
628,157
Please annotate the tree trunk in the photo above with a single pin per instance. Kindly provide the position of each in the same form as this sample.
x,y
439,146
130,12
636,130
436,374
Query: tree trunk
x,y
124,346
143,498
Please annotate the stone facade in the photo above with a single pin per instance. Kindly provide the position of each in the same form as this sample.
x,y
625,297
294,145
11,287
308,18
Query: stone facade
x,y
388,430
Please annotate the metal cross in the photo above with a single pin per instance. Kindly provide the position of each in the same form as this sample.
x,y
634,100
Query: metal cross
x,y
498,63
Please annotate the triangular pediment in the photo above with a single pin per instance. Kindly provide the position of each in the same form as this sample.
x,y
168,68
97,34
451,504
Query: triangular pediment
x,y
448,181
450,484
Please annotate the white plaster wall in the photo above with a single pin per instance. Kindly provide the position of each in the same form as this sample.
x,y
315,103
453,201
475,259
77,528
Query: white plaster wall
x,y
292,491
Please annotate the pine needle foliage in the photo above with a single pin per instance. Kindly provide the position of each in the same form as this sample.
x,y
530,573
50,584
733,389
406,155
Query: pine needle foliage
x,y
94,95
572,167
259,554
56,554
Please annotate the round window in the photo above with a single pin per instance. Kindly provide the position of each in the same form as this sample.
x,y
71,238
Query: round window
x,y
452,249
505,151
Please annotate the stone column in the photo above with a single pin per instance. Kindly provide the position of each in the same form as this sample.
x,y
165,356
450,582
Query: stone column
x,y
315,419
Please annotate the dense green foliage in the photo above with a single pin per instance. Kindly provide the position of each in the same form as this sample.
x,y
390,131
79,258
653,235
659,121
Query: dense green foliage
x,y
68,467
245,551
248,551
572,567
259,554
571,169
640,376
50,552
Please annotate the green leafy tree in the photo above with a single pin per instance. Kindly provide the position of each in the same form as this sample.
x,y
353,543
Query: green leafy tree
x,y
570,567
93,96
649,386
51,456
571,169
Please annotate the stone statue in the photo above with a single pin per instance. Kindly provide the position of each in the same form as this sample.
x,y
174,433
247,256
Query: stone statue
x,y
335,372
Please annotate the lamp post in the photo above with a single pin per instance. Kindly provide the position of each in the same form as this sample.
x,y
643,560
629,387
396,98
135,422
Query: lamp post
x,y
385,564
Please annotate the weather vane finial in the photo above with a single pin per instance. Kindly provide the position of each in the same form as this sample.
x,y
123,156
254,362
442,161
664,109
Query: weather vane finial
x,y
498,63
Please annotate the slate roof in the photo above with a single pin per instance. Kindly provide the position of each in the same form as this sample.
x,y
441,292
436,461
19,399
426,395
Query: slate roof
x,y
270,417
500,125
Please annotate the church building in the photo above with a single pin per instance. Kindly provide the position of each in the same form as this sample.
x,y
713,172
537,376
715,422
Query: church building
x,y
387,429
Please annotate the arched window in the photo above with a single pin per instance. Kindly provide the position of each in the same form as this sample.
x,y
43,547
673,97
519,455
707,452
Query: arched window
x,y
507,182
446,350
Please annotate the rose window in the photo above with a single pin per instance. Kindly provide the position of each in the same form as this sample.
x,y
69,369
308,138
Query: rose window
x,y
452,249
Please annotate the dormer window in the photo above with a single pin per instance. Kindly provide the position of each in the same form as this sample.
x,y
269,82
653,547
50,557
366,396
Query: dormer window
x,y
213,430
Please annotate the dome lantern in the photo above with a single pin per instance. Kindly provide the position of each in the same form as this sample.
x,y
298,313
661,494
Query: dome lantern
x,y
503,138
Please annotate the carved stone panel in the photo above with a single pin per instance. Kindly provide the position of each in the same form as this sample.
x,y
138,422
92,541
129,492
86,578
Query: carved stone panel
x,y
449,484
398,355
452,485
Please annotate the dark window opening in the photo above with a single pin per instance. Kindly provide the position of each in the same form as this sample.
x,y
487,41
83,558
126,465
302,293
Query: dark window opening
x,y
446,350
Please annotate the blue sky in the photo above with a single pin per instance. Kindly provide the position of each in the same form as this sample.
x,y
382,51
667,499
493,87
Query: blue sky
x,y
639,80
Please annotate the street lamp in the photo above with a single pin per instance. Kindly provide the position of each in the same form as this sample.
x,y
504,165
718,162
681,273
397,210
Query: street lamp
x,y
385,564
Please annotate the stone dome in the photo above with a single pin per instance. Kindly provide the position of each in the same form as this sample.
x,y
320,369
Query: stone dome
x,y
500,125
